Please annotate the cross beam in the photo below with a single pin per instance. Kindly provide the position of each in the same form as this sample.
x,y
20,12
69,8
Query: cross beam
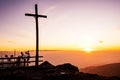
x,y
37,33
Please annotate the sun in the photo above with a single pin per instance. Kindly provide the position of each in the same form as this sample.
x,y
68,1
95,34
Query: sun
x,y
88,49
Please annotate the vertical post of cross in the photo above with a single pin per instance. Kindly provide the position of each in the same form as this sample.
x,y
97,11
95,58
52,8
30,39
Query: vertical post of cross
x,y
37,33
37,37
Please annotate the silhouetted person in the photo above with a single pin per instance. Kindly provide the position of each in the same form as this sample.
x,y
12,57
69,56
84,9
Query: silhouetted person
x,y
6,56
11,57
23,57
28,57
18,61
8,60
2,61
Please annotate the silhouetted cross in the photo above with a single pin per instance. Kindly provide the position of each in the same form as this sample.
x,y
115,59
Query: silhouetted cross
x,y
37,33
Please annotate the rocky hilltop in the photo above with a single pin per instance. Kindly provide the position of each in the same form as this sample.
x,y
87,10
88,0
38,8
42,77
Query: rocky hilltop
x,y
47,71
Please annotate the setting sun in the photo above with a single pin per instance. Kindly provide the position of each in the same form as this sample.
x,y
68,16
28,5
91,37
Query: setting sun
x,y
88,49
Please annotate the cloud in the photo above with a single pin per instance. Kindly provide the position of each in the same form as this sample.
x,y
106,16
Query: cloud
x,y
11,42
51,8
22,36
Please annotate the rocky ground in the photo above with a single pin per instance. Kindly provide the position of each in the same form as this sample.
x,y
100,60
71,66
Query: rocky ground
x,y
47,71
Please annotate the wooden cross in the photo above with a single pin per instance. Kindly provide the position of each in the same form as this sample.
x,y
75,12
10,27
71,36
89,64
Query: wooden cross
x,y
37,32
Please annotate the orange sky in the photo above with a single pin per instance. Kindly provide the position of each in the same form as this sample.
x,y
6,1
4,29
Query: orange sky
x,y
71,25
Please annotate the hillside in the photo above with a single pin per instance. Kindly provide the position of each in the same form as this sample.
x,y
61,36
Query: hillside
x,y
104,70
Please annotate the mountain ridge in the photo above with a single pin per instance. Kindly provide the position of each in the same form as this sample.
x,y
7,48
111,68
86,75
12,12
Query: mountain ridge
x,y
104,70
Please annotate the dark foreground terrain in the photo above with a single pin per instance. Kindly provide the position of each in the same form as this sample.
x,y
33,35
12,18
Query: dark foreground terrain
x,y
48,71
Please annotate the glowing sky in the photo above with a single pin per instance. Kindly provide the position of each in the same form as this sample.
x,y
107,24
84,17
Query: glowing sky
x,y
71,24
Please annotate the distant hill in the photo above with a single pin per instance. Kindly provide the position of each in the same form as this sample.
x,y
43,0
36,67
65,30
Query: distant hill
x,y
104,70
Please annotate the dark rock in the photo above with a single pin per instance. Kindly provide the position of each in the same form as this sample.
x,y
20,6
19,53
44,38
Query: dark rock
x,y
46,65
67,67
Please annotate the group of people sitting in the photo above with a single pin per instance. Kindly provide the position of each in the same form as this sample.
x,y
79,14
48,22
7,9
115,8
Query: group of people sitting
x,y
23,58
19,61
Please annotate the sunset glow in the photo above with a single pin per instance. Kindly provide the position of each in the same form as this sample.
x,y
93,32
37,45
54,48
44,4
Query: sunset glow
x,y
82,32
82,25
88,49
